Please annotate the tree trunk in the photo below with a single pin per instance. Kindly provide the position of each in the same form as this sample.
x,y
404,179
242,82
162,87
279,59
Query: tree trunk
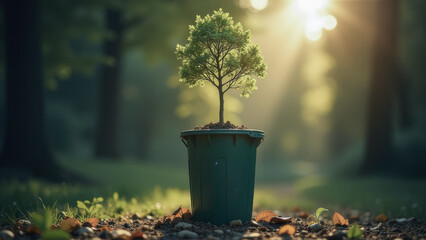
x,y
25,147
379,147
403,100
107,132
221,106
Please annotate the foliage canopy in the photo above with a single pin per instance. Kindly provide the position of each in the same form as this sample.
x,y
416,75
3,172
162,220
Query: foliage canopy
x,y
220,51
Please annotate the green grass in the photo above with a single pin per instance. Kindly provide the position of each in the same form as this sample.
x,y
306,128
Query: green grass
x,y
394,197
147,187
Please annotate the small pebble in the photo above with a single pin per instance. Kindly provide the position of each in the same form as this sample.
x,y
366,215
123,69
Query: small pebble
x,y
127,225
146,228
187,234
236,223
84,230
120,233
315,227
183,225
218,231
254,223
252,235
338,235
6,234
211,237
104,235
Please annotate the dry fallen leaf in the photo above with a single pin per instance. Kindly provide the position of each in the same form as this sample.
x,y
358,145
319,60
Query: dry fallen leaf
x,y
279,219
265,216
91,222
32,230
381,218
139,235
304,214
70,224
182,213
105,229
340,220
287,229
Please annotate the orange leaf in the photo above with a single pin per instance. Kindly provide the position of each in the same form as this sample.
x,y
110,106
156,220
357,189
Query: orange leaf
x,y
32,230
340,220
265,216
381,218
279,219
304,214
70,224
91,222
105,229
138,235
287,229
181,213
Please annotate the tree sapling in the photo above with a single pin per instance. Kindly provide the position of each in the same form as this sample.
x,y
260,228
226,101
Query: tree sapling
x,y
220,51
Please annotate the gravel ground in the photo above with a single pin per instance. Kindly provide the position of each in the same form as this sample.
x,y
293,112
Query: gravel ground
x,y
134,227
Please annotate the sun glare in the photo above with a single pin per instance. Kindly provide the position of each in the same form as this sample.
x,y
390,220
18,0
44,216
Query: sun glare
x,y
312,6
259,4
315,16
330,22
313,36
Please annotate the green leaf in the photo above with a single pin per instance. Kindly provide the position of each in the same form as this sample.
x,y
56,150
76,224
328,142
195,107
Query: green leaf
x,y
87,202
91,209
56,235
81,205
44,221
115,196
104,216
355,232
319,212
97,208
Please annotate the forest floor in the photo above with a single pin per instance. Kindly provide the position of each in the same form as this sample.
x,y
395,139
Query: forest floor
x,y
298,226
154,190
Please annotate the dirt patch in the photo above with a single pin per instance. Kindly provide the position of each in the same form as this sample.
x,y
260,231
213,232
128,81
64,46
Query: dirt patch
x,y
227,125
160,228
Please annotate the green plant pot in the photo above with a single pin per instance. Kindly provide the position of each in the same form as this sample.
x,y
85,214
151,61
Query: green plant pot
x,y
222,166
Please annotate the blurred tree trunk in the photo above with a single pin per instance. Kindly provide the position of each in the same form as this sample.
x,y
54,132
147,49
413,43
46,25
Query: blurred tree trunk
x,y
107,132
379,147
25,147
404,112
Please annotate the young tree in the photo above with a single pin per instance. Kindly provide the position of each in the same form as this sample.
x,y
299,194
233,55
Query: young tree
x,y
220,52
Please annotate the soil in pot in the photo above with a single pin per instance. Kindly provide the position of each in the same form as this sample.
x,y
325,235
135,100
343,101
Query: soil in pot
x,y
227,125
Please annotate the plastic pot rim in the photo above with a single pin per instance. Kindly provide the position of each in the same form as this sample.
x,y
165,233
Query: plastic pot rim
x,y
251,132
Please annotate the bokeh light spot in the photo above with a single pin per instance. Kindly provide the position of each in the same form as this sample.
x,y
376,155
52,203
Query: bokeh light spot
x,y
312,6
314,35
330,22
259,4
